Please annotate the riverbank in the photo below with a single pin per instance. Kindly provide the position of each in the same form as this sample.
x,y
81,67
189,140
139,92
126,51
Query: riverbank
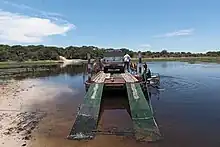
x,y
56,62
23,106
182,59
26,64
13,64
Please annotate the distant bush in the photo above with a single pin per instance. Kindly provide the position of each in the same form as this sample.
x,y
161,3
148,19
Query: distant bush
x,y
40,52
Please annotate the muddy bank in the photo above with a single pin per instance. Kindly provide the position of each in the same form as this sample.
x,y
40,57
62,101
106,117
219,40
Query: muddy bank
x,y
23,105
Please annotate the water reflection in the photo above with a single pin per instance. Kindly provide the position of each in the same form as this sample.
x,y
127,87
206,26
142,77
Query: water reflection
x,y
164,65
42,71
155,92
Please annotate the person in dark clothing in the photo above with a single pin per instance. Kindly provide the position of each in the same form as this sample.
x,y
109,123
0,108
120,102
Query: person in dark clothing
x,y
146,73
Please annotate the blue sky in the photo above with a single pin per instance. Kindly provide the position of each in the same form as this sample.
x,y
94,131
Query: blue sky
x,y
139,25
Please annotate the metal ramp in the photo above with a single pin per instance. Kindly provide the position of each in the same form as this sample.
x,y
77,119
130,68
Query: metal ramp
x,y
145,126
87,118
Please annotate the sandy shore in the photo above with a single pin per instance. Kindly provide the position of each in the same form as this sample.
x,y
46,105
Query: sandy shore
x,y
21,109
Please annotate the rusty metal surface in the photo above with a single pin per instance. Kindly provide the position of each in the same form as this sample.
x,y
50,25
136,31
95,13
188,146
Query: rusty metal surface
x,y
99,77
129,78
115,81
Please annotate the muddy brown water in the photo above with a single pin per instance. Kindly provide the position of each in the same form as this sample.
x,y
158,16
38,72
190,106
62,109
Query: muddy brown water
x,y
187,110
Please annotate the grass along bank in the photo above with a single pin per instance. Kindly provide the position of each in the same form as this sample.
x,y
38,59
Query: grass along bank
x,y
13,64
182,59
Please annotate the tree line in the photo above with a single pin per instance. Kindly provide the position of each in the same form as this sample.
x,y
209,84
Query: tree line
x,y
40,52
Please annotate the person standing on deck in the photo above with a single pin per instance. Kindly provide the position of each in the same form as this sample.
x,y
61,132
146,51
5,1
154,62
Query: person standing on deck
x,y
97,65
133,67
127,60
146,73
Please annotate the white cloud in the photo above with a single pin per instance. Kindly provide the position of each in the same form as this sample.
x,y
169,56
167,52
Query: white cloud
x,y
17,28
185,32
26,7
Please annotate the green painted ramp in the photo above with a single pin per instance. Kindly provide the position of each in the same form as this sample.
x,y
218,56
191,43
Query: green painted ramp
x,y
144,124
87,117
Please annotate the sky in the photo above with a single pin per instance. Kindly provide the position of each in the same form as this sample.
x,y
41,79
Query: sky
x,y
174,25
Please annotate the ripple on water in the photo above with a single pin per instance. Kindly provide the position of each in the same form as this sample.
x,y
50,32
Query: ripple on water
x,y
180,84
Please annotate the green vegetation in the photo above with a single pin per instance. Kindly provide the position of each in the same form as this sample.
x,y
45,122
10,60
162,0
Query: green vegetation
x,y
23,55
14,64
36,53
183,59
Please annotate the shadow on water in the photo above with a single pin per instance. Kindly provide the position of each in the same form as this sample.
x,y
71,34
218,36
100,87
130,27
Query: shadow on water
x,y
114,112
115,100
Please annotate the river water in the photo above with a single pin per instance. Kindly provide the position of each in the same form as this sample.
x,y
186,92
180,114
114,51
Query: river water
x,y
187,109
